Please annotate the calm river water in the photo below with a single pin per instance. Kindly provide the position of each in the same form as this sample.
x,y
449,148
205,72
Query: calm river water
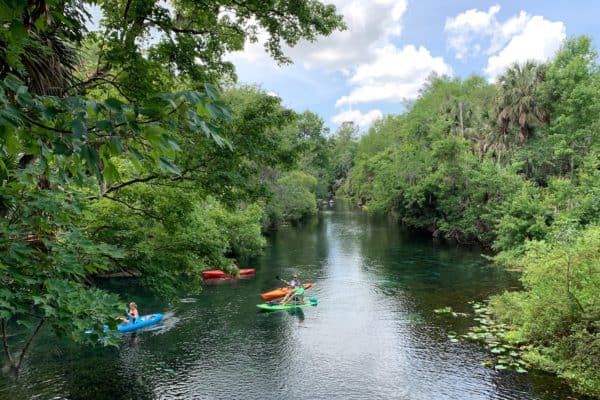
x,y
374,334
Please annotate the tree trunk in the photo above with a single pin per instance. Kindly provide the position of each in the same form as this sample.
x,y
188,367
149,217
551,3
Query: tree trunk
x,y
523,133
460,116
28,344
5,341
572,165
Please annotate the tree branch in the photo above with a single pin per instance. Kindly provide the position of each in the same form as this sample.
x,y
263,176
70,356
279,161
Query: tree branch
x,y
5,340
126,10
139,210
28,344
124,184
38,124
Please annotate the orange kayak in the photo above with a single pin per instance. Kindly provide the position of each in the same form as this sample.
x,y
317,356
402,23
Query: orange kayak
x,y
277,293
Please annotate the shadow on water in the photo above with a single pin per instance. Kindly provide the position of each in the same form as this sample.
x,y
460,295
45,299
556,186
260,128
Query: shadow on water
x,y
374,334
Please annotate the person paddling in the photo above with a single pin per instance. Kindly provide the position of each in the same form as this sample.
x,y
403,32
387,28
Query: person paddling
x,y
133,313
297,292
295,282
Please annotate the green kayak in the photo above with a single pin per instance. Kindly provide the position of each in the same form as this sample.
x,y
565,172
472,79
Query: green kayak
x,y
289,306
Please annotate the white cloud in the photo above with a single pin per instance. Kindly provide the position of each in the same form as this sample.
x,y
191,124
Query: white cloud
x,y
369,25
505,31
360,119
365,55
518,39
466,27
394,75
538,41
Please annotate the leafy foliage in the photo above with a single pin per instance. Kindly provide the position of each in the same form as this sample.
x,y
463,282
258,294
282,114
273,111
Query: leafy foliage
x,y
294,197
514,166
119,154
559,311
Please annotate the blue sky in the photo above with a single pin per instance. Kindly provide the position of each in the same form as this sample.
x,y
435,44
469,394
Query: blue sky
x,y
391,46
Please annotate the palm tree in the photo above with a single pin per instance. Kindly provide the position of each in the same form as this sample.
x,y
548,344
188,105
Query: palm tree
x,y
47,59
517,103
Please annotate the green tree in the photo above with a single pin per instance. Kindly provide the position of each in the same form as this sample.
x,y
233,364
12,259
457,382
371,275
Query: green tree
x,y
451,166
558,313
344,150
294,197
518,101
315,149
83,139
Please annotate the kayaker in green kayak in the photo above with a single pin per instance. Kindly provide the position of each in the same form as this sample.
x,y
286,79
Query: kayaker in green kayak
x,y
295,282
297,294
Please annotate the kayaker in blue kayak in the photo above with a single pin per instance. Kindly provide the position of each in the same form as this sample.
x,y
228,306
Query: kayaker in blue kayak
x,y
132,313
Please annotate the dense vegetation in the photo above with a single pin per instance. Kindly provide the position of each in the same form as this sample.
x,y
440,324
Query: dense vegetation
x,y
513,165
128,149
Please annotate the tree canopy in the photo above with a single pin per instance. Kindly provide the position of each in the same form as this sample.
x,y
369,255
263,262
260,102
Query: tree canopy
x,y
512,165
124,148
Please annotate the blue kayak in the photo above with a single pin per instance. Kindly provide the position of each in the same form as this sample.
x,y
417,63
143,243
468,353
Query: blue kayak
x,y
142,322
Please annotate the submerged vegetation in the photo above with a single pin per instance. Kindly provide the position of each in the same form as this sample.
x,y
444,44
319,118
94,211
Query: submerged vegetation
x,y
515,166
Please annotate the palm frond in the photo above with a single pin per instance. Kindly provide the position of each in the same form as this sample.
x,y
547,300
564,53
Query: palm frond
x,y
49,64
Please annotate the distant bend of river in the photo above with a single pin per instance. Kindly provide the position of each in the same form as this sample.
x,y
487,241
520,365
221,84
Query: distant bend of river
x,y
374,334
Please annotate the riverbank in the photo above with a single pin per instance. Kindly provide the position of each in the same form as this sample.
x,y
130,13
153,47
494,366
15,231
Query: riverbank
x,y
373,334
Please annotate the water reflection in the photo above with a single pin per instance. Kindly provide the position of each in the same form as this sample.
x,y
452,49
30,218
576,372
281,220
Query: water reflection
x,y
373,334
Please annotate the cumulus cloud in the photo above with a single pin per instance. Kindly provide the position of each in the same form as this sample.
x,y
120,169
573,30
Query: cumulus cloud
x,y
395,75
466,27
519,38
369,24
538,41
360,119
365,55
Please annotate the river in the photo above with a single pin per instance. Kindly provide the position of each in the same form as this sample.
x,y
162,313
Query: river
x,y
374,334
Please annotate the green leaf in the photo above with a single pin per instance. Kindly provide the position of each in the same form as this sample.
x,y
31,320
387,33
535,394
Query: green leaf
x,y
26,324
211,90
214,111
61,148
114,104
78,128
168,166
12,82
154,134
91,157
139,156
111,173
104,124
172,142
17,30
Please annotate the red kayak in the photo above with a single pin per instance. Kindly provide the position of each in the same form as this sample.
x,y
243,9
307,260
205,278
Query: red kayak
x,y
217,273
247,271
277,293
